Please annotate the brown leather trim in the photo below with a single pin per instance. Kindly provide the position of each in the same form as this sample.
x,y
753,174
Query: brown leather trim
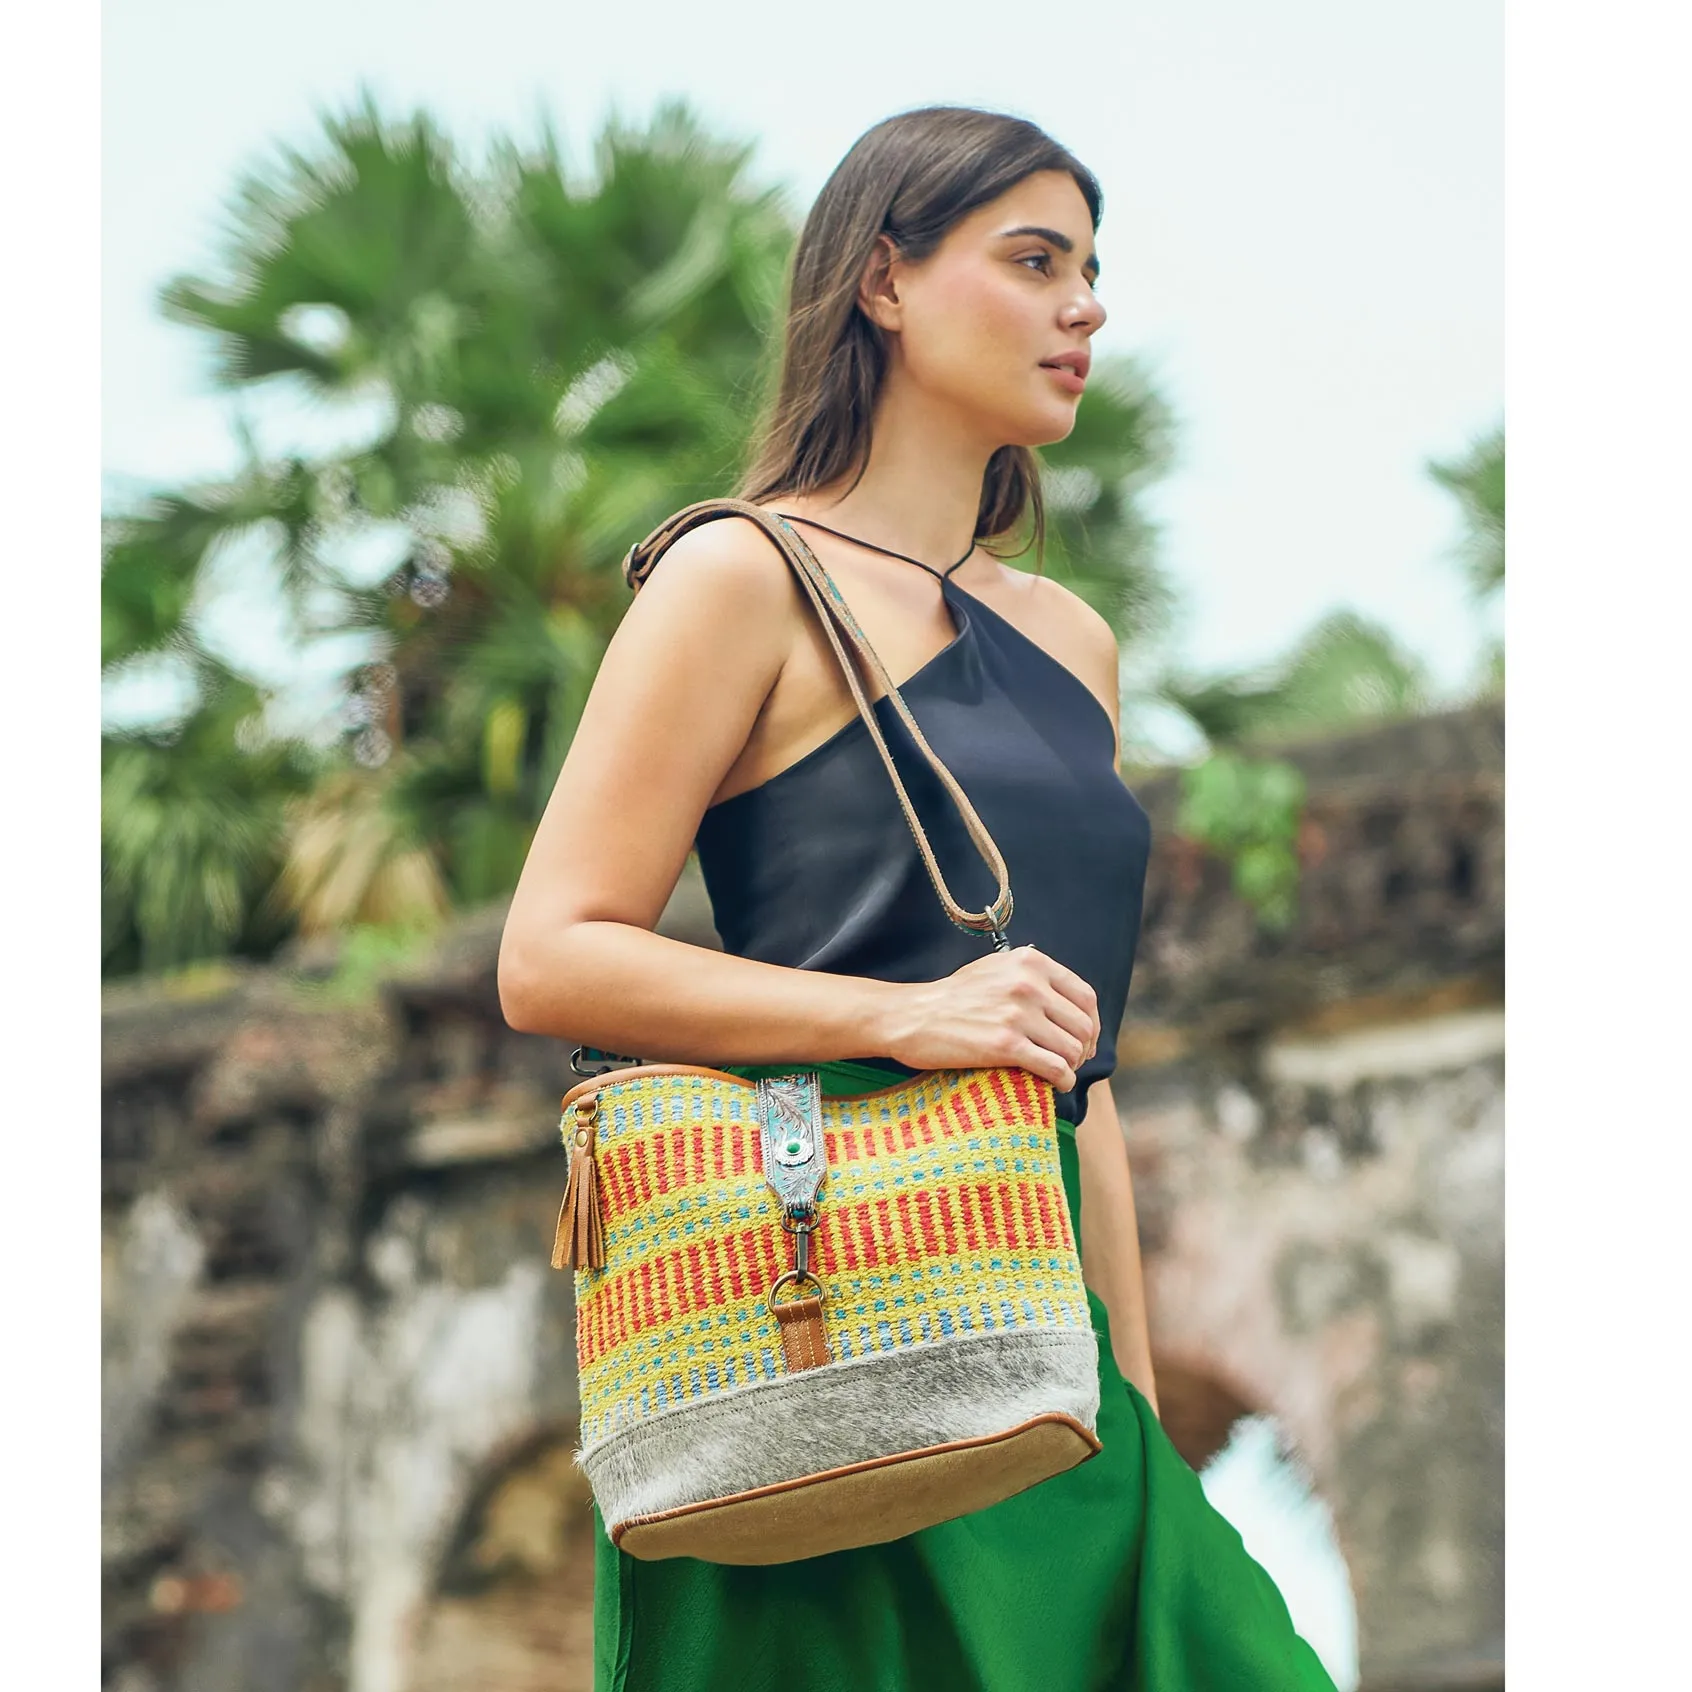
x,y
1052,1418
867,1504
635,1071
804,1341
561,1235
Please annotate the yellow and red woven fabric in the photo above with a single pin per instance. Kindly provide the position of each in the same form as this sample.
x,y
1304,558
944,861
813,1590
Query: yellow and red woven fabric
x,y
942,1216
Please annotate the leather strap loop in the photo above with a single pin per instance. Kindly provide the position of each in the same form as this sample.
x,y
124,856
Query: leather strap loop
x,y
836,617
804,1339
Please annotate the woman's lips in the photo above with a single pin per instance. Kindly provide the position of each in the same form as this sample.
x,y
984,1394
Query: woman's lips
x,y
1066,377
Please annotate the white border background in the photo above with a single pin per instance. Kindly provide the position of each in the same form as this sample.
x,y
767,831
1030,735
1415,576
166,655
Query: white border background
x,y
1599,369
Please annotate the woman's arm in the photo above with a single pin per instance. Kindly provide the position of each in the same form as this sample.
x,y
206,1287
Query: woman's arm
x,y
1110,1236
672,704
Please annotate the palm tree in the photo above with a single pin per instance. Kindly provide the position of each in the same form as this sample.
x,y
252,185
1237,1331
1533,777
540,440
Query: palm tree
x,y
191,829
542,366
1477,479
1345,671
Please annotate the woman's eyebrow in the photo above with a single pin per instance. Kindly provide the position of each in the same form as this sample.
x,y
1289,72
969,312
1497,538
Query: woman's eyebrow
x,y
1057,238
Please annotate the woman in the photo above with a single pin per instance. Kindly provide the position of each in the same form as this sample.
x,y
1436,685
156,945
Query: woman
x,y
941,308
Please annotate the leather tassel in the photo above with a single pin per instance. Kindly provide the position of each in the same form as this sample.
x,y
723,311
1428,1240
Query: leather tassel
x,y
579,1240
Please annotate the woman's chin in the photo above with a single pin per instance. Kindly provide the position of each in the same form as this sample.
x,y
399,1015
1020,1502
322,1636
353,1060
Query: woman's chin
x,y
1043,428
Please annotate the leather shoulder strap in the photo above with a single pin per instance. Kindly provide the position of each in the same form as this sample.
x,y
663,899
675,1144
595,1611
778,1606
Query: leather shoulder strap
x,y
837,620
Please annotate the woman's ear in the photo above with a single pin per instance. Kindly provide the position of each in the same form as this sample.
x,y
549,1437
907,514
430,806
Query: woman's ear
x,y
878,294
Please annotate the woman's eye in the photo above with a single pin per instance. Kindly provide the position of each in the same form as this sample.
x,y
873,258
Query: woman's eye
x,y
1045,260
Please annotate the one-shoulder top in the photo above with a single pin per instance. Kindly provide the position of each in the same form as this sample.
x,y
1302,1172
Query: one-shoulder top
x,y
816,868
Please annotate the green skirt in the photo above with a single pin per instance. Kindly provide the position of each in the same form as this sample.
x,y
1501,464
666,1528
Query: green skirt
x,y
1116,1574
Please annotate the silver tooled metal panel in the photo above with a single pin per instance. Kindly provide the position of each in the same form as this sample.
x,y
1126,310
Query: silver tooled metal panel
x,y
790,1116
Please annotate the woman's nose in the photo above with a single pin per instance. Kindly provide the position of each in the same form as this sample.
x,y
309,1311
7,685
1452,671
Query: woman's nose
x,y
1086,312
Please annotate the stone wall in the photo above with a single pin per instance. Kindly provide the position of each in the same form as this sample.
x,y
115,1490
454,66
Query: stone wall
x,y
339,1374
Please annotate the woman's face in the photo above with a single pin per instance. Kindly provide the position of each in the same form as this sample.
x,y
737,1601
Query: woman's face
x,y
1009,289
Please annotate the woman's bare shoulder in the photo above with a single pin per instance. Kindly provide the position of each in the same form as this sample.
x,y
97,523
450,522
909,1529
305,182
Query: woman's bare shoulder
x,y
728,562
726,576
726,551
1068,611
1059,619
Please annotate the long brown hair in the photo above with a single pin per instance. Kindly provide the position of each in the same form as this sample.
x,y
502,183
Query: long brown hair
x,y
911,177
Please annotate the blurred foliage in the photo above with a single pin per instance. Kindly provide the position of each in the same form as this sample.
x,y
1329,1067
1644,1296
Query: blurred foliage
x,y
366,954
191,821
1248,810
1345,673
1477,480
1099,542
527,369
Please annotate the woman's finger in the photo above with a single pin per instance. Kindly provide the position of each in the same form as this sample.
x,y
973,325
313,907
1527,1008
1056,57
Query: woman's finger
x,y
1075,1004
1069,1019
1046,1064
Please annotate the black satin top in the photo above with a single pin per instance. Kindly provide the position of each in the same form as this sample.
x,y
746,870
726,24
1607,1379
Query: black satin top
x,y
816,868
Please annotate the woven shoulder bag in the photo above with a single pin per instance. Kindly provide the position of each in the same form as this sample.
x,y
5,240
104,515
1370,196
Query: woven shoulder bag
x,y
807,1323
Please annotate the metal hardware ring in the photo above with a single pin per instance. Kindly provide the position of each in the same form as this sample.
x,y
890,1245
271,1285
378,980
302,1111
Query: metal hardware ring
x,y
791,1275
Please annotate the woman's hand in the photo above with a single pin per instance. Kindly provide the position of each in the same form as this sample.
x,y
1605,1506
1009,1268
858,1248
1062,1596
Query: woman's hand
x,y
1018,1007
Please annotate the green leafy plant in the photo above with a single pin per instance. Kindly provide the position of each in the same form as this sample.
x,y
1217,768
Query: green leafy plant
x,y
1346,672
1248,810
366,955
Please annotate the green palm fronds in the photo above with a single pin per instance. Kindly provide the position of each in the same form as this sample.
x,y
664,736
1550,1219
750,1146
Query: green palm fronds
x,y
1346,671
191,829
1477,480
528,367
354,859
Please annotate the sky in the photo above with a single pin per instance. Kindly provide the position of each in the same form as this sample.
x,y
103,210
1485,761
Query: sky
x,y
1303,229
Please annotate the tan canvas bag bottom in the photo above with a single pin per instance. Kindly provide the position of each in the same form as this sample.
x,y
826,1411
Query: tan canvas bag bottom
x,y
862,1503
